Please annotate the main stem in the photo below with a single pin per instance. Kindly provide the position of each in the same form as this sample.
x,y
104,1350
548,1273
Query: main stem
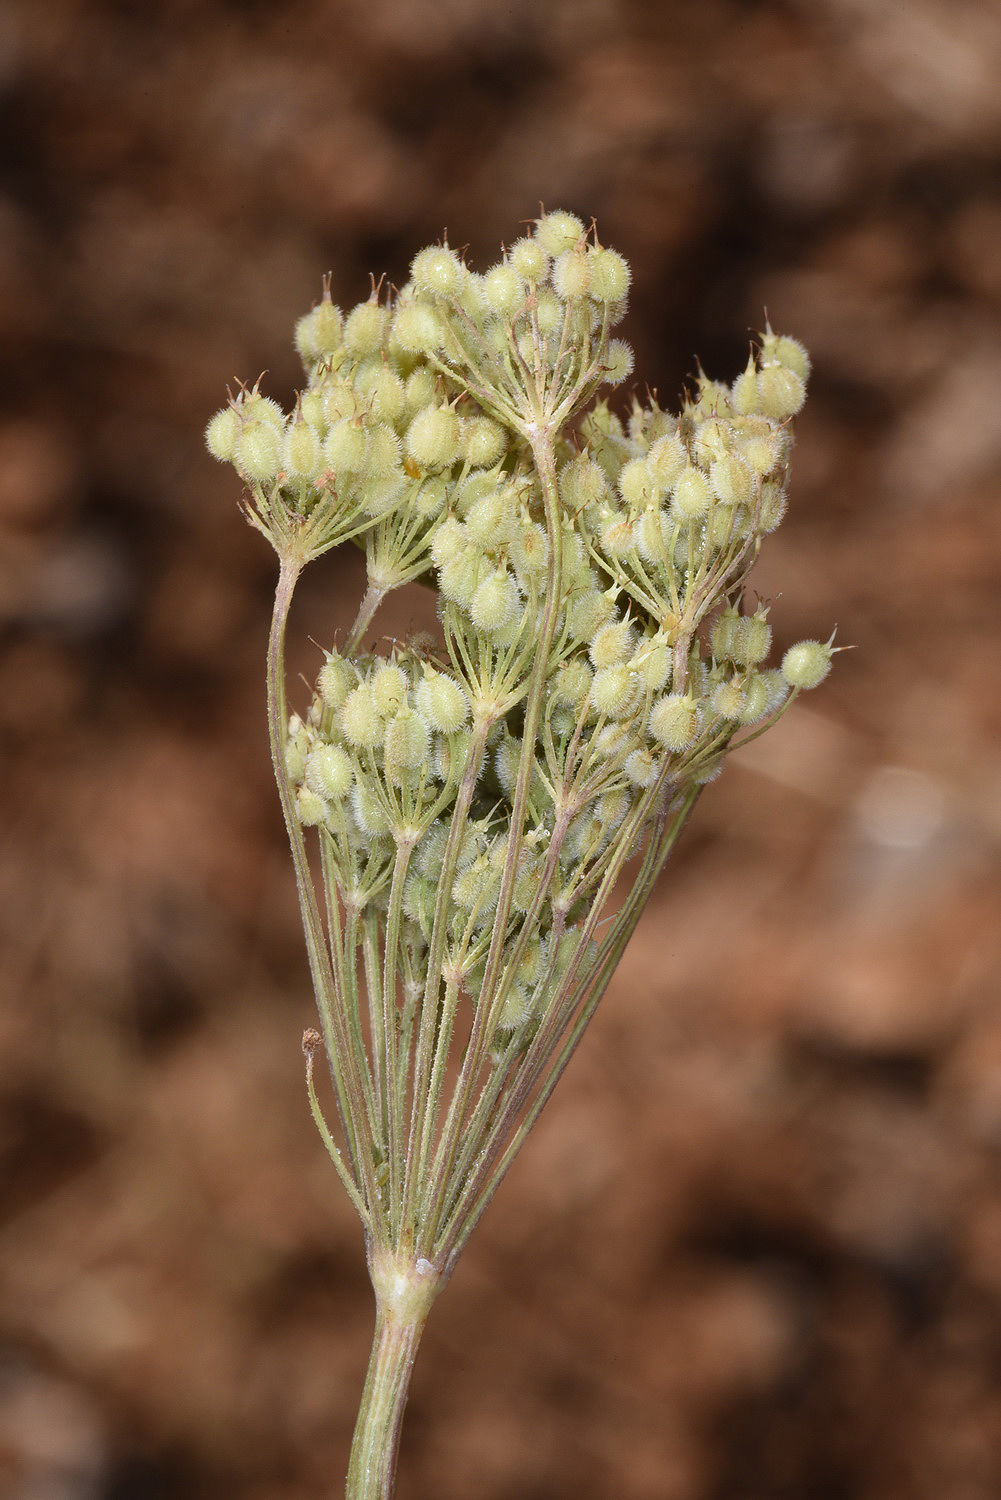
x,y
404,1293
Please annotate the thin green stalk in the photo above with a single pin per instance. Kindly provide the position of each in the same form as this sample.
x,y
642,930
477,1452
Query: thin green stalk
x,y
390,1027
424,1051
485,1182
340,1051
350,1186
373,597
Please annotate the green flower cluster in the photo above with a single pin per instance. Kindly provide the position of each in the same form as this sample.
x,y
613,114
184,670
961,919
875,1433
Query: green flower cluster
x,y
477,801
489,812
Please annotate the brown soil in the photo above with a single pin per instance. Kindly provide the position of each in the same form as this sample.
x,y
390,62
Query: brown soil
x,y
754,1250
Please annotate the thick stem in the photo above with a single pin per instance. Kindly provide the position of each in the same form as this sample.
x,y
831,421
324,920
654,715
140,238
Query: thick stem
x,y
404,1292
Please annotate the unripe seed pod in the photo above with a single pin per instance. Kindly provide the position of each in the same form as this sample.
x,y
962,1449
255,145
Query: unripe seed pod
x,y
296,747
752,640
582,483
614,742
258,408
525,343
497,336
610,275
548,313
503,291
475,487
723,635
382,460
641,768
312,409
450,754
530,965
515,1009
713,439
744,392
438,271
302,456
329,772
708,770
318,333
612,644
431,499
728,698
449,541
571,275
258,451
558,231
382,495
673,721
757,696
787,352
762,452
615,692
653,661
442,702
383,390
418,328
339,400
491,520
460,576
368,811
506,758
495,602
587,613
636,484
586,836
611,810
365,328
221,435
713,399
476,887
727,524
484,442
577,570
334,681
651,533
731,480
572,683
618,362
430,852
806,664
407,743
666,459
691,497
346,446
434,437
359,722
529,259
529,550
419,896
774,503
781,393
420,388
778,689
470,297
616,534
389,689
311,808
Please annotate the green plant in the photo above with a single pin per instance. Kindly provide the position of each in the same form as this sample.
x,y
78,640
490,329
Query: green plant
x,y
490,813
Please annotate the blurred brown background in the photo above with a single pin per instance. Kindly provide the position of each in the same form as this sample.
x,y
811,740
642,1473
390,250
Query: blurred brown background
x,y
754,1249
